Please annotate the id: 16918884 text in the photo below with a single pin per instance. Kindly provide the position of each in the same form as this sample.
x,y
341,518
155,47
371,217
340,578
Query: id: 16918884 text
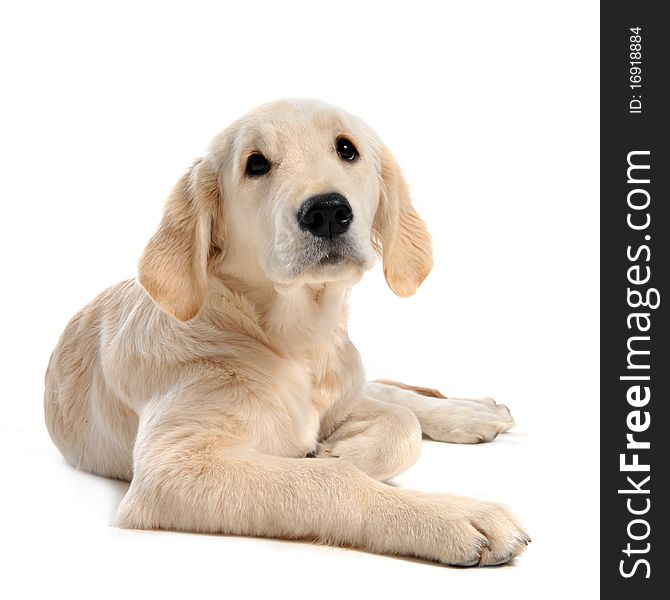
x,y
635,105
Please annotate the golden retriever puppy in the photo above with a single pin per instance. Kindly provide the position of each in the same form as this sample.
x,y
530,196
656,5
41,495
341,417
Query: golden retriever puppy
x,y
221,382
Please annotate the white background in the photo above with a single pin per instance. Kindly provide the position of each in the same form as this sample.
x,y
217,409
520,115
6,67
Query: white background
x,y
491,108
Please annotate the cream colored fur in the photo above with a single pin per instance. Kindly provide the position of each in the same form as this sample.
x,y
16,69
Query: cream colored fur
x,y
208,380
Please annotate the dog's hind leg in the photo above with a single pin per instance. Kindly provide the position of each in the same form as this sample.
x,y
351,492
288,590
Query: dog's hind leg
x,y
456,420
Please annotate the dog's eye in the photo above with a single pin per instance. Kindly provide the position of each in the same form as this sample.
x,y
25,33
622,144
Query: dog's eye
x,y
346,149
257,165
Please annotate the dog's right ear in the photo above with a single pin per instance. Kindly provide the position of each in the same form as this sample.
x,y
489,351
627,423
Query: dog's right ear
x,y
173,267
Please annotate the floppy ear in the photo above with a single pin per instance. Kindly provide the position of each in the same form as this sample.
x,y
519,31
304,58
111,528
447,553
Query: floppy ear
x,y
401,237
173,268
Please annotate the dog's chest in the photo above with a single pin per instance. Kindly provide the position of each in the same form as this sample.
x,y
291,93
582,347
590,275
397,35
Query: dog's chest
x,y
312,394
315,372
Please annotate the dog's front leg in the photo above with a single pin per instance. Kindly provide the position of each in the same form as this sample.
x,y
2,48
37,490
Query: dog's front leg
x,y
381,439
455,420
192,476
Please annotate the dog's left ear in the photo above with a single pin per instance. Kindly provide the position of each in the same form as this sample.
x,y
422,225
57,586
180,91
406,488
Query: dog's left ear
x,y
401,237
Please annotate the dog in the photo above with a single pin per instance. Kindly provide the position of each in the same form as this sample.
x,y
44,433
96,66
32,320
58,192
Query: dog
x,y
221,381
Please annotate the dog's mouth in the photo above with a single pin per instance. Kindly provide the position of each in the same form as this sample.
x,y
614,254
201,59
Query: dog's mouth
x,y
317,259
320,253
332,258
334,263
337,257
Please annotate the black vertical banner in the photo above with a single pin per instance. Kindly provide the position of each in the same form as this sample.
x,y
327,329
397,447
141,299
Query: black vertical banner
x,y
635,300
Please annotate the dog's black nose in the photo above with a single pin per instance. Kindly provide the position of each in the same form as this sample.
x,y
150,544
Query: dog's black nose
x,y
325,215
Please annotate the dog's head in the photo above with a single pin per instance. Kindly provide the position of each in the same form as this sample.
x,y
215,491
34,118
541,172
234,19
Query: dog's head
x,y
295,192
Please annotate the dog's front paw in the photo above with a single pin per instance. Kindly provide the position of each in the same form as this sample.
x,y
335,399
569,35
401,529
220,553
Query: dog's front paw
x,y
462,421
480,533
